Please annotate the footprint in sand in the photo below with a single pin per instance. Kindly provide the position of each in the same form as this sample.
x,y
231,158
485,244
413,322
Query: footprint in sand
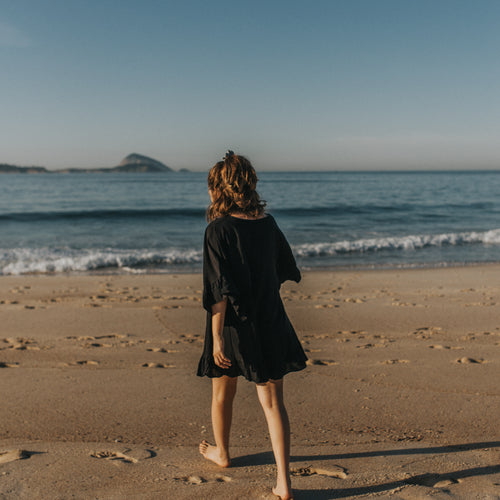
x,y
132,343
115,456
320,337
335,471
8,365
395,361
20,344
352,332
20,289
110,336
127,343
445,347
54,300
446,482
86,362
433,481
470,361
189,338
365,346
161,349
480,304
157,365
426,332
199,479
97,337
321,362
12,455
470,337
96,344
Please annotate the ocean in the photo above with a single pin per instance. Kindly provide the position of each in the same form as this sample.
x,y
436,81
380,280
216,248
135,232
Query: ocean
x,y
154,223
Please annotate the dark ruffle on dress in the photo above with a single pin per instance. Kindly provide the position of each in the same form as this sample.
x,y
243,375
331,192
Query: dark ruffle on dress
x,y
247,260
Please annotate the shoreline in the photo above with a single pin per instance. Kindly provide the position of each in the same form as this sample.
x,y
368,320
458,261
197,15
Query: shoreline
x,y
400,395
304,270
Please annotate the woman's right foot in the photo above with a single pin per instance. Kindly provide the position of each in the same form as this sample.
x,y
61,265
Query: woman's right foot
x,y
283,493
211,452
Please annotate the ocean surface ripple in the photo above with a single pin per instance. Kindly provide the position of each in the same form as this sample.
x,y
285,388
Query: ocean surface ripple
x,y
145,223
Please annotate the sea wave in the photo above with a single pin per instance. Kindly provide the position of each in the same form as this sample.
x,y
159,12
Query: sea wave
x,y
55,260
339,209
102,214
367,208
409,242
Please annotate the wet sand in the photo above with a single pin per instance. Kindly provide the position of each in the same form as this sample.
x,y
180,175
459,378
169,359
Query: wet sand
x,y
400,398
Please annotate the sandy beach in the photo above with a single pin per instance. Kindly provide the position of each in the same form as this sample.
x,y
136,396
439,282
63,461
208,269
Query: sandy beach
x,y
400,398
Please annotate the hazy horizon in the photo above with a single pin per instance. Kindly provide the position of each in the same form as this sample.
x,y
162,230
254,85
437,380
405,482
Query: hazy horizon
x,y
275,169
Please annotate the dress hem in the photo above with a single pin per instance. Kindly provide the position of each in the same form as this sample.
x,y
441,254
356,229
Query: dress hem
x,y
258,380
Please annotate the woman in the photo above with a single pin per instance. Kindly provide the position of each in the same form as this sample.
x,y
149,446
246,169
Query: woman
x,y
245,259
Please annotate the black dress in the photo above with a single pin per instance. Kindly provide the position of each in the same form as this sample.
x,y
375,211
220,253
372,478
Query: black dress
x,y
247,260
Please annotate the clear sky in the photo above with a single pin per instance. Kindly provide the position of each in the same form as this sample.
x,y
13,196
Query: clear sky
x,y
309,85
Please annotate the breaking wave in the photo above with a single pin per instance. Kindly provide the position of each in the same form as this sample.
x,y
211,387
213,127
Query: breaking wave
x,y
56,260
410,242
46,260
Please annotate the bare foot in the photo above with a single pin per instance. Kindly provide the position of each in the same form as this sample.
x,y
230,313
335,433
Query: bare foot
x,y
283,493
211,452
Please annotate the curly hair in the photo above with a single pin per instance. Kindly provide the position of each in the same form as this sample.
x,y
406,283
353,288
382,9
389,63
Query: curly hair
x,y
232,184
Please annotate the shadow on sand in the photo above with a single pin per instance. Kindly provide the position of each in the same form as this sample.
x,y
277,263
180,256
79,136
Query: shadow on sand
x,y
427,479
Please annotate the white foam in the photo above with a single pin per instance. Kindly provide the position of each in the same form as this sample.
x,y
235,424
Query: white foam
x,y
55,260
405,243
46,260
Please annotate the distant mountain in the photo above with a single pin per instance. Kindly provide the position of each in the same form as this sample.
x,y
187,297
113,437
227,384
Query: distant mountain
x,y
130,164
140,163
13,169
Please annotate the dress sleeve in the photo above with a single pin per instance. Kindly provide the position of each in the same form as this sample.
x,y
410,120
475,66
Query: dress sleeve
x,y
286,266
217,280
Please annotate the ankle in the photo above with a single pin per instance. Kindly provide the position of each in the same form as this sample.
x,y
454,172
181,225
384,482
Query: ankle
x,y
283,480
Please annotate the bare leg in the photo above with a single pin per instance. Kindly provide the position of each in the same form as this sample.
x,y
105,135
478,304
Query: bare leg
x,y
271,398
223,391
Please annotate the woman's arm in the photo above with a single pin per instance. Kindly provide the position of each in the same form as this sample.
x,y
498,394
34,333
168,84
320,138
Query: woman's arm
x,y
218,315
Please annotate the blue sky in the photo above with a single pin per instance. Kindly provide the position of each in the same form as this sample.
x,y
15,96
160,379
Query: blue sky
x,y
298,85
